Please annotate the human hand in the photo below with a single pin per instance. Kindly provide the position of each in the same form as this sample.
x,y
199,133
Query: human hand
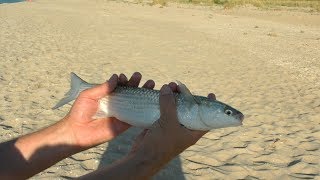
x,y
32,153
87,132
167,137
154,147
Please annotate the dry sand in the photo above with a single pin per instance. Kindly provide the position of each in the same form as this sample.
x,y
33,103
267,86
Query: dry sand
x,y
265,63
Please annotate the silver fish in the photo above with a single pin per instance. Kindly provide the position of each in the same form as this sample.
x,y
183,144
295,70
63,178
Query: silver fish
x,y
140,107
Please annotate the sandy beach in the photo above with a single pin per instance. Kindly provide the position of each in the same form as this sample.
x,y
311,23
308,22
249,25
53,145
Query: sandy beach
x,y
265,63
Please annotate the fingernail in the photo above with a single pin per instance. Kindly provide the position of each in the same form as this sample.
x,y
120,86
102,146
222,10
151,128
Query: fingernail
x,y
113,76
123,77
137,74
152,83
166,90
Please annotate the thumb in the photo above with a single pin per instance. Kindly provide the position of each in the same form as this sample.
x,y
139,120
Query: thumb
x,y
168,109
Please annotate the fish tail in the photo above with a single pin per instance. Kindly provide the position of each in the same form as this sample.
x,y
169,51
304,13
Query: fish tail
x,y
76,86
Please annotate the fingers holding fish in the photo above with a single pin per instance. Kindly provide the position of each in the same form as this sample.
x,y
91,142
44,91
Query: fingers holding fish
x,y
211,96
135,79
111,84
149,84
174,87
123,80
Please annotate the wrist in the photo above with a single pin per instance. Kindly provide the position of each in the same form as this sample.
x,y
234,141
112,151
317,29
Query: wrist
x,y
56,135
147,162
32,153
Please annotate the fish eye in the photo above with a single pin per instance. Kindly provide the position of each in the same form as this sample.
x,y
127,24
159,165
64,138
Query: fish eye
x,y
228,112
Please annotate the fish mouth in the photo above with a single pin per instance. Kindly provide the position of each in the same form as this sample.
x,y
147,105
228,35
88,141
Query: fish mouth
x,y
240,116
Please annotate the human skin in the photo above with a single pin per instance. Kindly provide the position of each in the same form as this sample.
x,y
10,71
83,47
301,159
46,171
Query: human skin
x,y
78,131
154,147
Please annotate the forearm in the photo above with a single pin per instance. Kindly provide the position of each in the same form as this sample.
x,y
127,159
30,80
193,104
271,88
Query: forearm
x,y
32,153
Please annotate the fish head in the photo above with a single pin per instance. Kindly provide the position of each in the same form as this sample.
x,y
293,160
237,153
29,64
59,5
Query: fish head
x,y
215,114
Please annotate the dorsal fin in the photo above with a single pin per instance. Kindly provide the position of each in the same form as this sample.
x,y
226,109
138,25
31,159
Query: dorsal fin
x,y
185,92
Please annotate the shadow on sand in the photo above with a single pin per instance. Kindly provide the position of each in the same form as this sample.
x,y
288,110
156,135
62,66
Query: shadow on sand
x,y
121,146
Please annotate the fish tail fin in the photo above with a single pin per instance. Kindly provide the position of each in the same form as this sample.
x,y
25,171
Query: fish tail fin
x,y
76,86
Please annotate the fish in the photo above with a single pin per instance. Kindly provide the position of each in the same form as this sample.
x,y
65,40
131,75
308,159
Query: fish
x,y
140,107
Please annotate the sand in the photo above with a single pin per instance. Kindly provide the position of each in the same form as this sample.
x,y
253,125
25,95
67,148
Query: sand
x,y
265,63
